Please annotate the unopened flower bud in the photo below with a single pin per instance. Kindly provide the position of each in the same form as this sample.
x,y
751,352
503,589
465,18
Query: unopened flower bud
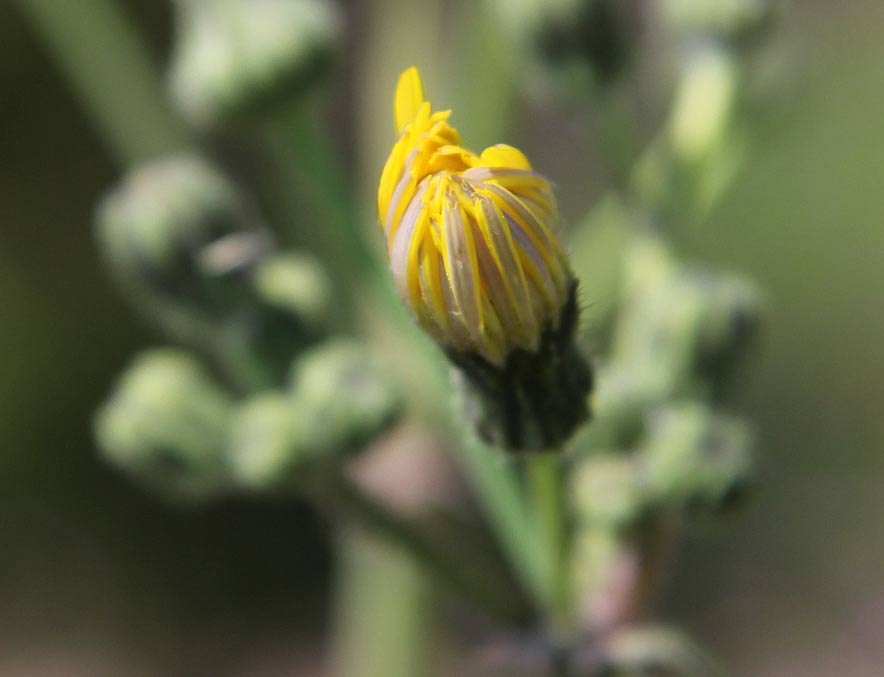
x,y
339,400
680,331
606,491
475,257
704,104
262,447
238,57
297,285
342,399
695,457
703,146
165,424
177,235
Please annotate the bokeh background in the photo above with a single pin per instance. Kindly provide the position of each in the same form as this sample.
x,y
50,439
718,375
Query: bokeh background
x,y
97,577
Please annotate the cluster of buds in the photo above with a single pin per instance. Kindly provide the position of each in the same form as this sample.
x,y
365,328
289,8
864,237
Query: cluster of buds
x,y
175,428
276,398
660,448
200,263
476,259
680,333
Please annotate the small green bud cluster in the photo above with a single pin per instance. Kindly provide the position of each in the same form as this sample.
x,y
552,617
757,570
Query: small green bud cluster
x,y
702,145
680,333
688,458
237,58
274,398
672,452
175,428
337,402
199,262
166,424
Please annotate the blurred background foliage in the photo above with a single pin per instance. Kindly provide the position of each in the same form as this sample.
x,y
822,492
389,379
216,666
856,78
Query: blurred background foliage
x,y
98,577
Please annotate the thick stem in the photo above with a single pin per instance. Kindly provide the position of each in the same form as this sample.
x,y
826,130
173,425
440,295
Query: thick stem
x,y
545,479
497,486
383,610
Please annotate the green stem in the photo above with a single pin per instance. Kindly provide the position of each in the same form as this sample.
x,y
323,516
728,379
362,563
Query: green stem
x,y
314,161
109,69
544,476
383,610
317,197
497,485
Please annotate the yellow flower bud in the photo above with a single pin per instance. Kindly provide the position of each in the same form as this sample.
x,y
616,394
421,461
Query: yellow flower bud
x,y
471,238
475,257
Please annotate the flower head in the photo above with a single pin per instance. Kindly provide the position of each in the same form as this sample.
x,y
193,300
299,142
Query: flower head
x,y
471,238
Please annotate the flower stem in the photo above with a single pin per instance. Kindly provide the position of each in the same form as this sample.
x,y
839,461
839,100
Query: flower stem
x,y
496,484
544,476
383,609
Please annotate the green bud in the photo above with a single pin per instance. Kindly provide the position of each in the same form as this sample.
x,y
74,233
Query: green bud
x,y
728,329
234,58
263,446
606,492
703,146
178,237
339,401
695,457
165,424
655,650
297,285
704,104
680,332
342,399
282,310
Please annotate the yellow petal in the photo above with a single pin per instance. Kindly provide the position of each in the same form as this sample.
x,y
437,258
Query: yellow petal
x,y
409,97
501,156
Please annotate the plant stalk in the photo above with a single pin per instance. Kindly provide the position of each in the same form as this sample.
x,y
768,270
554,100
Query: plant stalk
x,y
545,480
